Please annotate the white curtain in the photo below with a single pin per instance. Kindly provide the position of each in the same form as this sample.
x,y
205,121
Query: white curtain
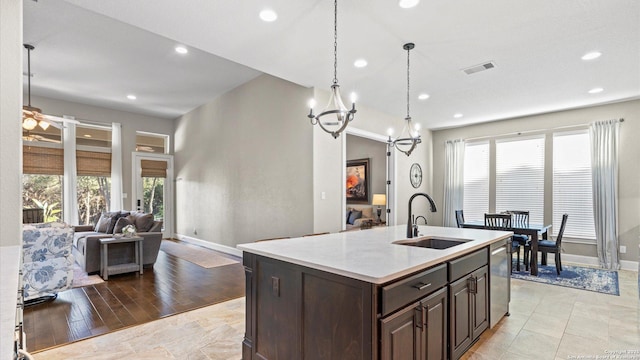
x,y
69,183
604,171
453,180
116,167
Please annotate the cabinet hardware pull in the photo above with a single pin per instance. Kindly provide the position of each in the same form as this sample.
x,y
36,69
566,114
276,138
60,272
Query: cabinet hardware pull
x,y
418,317
473,285
422,286
499,250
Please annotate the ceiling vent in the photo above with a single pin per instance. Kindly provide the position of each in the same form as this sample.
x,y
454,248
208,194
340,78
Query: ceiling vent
x,y
477,68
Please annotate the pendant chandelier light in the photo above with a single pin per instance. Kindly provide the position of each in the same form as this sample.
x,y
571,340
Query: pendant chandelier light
x,y
343,116
409,138
31,116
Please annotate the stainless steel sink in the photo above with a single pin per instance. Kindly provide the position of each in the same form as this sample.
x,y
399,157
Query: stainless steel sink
x,y
431,242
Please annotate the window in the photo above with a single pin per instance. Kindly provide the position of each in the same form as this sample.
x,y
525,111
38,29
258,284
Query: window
x,y
520,176
476,181
93,162
153,143
572,184
42,169
153,174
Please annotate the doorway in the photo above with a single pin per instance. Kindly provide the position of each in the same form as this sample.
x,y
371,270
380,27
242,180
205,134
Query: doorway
x,y
382,171
153,187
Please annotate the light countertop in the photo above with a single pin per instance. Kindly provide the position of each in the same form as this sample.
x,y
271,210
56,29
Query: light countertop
x,y
370,255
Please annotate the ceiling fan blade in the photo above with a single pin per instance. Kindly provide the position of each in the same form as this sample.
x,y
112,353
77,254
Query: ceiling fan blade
x,y
60,119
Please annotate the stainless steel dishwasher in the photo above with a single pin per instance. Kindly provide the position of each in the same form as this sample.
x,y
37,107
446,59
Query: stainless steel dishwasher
x,y
500,280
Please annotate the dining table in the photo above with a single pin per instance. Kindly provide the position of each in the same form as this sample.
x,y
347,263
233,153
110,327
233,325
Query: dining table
x,y
533,230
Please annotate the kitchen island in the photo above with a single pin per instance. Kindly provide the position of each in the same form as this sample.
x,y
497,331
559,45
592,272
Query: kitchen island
x,y
363,295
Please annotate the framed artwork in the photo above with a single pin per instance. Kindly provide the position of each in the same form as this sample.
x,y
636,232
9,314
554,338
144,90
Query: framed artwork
x,y
358,180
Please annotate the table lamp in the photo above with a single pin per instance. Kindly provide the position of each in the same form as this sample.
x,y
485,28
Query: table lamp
x,y
379,199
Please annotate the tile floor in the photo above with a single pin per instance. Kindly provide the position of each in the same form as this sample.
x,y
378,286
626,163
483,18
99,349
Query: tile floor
x,y
546,322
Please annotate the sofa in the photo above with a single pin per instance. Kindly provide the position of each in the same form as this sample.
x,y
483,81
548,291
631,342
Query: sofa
x,y
360,217
86,242
47,263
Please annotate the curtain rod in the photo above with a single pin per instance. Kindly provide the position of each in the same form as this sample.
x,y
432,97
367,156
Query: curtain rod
x,y
532,131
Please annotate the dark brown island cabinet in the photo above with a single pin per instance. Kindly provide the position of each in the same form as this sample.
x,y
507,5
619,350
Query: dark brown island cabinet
x,y
296,312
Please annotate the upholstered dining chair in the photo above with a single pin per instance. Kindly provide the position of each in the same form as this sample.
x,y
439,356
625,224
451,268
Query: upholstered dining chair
x,y
459,218
47,262
503,222
550,246
519,218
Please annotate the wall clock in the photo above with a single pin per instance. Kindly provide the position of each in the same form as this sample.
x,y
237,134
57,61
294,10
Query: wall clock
x,y
415,175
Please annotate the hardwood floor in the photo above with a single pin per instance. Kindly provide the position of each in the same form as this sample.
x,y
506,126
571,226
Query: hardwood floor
x,y
173,286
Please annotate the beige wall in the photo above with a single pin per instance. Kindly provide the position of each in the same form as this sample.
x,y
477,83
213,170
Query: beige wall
x,y
376,151
10,114
629,165
131,123
243,165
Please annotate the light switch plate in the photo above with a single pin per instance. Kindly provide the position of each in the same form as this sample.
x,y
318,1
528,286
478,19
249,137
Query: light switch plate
x,y
623,249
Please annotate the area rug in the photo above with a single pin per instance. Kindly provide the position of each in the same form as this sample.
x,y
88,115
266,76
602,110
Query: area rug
x,y
598,280
80,277
196,254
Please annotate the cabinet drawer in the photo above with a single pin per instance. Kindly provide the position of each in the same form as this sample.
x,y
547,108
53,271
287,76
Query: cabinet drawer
x,y
468,263
404,291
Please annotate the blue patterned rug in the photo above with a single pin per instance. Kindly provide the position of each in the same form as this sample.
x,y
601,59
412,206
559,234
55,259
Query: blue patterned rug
x,y
598,280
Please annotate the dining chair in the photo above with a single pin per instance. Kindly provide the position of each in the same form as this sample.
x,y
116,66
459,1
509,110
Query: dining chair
x,y
503,222
550,246
519,218
459,218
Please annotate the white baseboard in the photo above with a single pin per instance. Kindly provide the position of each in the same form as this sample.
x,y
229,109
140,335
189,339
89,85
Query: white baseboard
x,y
210,245
593,261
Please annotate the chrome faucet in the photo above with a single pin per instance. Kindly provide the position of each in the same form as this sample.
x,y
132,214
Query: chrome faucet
x,y
410,225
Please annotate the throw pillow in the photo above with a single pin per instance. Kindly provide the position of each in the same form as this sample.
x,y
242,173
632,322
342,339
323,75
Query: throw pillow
x,y
355,214
367,212
348,214
122,222
103,223
143,222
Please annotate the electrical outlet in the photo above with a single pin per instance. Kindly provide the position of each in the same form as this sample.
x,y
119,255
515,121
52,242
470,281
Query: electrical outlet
x,y
623,249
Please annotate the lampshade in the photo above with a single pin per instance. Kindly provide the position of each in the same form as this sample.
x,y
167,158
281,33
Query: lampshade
x,y
379,199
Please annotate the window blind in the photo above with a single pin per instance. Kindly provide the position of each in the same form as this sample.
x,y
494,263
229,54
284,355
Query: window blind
x,y
572,184
42,160
91,163
476,181
520,176
154,168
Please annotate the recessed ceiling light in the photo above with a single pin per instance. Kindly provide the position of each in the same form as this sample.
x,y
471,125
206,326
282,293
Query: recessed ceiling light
x,y
131,97
268,15
592,55
406,4
181,50
360,63
423,96
87,135
596,90
457,115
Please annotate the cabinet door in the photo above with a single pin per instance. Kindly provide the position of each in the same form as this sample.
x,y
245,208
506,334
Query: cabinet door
x,y
460,312
435,316
401,334
480,301
277,317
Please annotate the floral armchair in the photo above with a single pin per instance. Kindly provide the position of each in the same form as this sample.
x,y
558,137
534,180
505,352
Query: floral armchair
x,y
47,260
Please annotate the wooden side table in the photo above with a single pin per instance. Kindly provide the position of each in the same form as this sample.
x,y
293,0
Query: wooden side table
x,y
106,269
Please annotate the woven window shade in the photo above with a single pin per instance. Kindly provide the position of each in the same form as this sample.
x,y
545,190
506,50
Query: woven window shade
x,y
42,160
90,163
154,168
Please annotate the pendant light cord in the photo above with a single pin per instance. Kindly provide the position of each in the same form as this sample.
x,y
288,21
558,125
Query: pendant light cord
x,y
29,74
335,42
408,50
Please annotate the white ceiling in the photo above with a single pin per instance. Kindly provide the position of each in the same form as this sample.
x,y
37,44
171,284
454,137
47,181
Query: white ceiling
x,y
97,52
